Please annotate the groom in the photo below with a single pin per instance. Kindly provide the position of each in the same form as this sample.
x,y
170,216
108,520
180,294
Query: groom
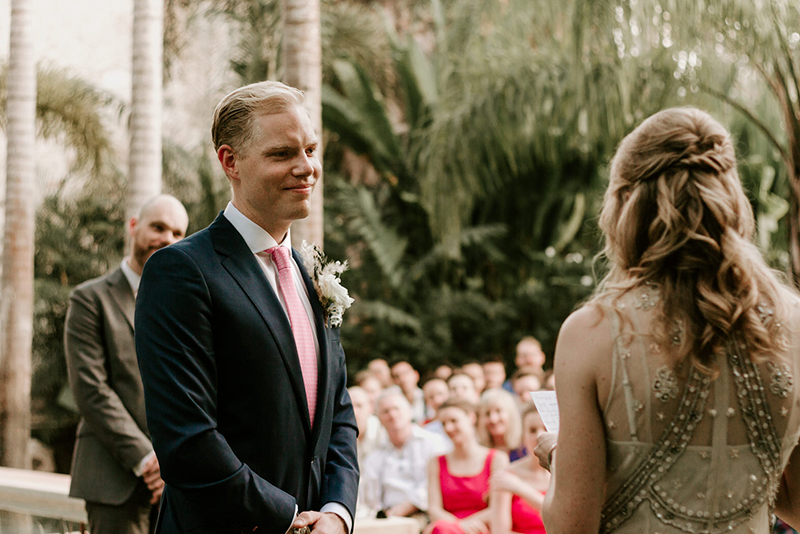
x,y
244,384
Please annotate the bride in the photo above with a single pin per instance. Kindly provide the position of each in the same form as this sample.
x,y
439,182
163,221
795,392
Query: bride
x,y
679,410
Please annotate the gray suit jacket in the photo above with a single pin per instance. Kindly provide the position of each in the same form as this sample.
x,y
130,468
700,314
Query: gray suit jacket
x,y
104,376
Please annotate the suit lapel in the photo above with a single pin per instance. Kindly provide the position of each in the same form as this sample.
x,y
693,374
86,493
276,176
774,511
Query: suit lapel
x,y
120,290
324,378
242,265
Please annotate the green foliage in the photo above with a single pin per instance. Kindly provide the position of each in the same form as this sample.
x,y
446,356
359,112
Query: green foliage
x,y
71,111
348,30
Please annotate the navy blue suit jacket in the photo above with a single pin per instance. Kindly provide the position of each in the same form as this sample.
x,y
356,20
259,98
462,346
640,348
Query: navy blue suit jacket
x,y
226,405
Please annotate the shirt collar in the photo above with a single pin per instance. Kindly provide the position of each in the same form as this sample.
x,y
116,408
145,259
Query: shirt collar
x,y
131,275
257,238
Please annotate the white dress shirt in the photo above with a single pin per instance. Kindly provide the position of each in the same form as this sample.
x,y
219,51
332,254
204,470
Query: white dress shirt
x,y
258,240
394,475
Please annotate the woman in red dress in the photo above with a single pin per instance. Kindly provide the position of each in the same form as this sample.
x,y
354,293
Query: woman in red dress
x,y
458,482
522,486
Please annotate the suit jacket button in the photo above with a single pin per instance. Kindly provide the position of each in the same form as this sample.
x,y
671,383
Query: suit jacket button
x,y
314,459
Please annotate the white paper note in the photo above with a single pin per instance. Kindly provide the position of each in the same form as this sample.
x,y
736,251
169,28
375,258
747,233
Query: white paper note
x,y
547,406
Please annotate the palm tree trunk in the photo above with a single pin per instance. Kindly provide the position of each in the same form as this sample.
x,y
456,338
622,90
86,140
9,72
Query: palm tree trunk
x,y
144,180
16,284
302,63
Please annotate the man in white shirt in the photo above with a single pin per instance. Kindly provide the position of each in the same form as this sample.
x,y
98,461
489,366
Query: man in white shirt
x,y
114,468
395,473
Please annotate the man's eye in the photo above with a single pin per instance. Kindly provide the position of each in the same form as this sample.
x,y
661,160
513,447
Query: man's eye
x,y
311,151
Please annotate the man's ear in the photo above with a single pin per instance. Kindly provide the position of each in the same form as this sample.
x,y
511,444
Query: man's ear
x,y
229,160
132,223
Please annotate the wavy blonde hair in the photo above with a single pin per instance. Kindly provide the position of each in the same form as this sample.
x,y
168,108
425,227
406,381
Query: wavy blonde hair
x,y
675,215
498,397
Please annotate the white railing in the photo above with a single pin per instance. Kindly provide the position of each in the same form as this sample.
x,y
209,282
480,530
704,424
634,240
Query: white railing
x,y
39,494
42,494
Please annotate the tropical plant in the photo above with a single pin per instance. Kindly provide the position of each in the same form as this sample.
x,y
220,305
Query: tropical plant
x,y
499,151
737,52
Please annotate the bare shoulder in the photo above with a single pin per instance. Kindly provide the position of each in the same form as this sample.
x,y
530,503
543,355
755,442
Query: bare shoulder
x,y
499,461
584,335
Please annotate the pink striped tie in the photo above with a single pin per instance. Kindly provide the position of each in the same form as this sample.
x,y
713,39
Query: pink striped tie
x,y
301,328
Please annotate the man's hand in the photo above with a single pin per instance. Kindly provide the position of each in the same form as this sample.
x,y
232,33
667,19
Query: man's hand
x,y
152,477
321,523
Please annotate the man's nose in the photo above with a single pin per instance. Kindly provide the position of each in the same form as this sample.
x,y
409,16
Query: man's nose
x,y
305,165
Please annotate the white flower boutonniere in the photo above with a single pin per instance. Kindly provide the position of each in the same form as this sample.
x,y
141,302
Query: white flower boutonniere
x,y
326,277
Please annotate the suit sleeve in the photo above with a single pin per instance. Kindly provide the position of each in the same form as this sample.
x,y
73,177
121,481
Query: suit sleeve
x,y
174,341
87,367
340,482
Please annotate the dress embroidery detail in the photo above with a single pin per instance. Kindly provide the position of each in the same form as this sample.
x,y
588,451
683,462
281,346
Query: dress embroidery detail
x,y
665,384
645,482
648,296
781,381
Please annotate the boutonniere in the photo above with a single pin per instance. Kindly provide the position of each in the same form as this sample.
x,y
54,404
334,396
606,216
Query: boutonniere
x,y
326,274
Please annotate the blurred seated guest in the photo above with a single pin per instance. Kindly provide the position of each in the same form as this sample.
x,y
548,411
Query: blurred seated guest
x,y
677,382
518,492
407,379
370,430
367,380
458,482
394,477
529,353
525,380
463,387
380,369
435,392
494,372
443,371
499,423
475,370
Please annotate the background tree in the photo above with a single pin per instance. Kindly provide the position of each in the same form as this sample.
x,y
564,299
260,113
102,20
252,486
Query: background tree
x,y
144,180
302,61
16,284
745,54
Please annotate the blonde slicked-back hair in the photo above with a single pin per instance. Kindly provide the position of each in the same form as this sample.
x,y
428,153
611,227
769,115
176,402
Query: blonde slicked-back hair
x,y
675,215
234,118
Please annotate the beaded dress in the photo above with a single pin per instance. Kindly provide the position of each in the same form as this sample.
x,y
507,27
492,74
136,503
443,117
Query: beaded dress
x,y
686,452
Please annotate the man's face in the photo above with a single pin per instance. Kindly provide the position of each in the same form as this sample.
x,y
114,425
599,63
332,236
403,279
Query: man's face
x,y
524,385
394,414
405,376
462,387
274,177
435,392
529,354
381,370
475,370
163,224
495,374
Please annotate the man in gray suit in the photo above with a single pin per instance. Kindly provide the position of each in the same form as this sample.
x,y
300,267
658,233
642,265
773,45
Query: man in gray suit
x,y
114,468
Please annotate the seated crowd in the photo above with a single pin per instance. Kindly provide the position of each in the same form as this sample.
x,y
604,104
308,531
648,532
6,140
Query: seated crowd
x,y
453,454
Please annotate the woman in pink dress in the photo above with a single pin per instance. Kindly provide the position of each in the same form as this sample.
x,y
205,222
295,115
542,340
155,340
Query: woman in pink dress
x,y
518,492
458,482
